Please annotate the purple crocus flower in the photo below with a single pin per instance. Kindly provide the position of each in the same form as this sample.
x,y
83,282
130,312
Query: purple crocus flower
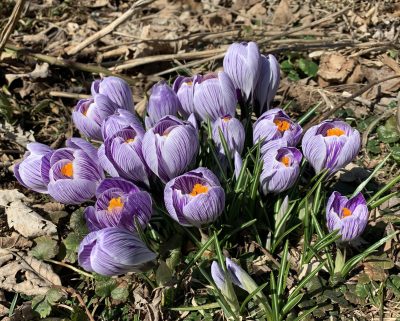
x,y
194,198
267,84
74,172
233,132
119,120
33,171
349,216
118,203
273,125
214,96
331,145
112,251
163,101
280,169
242,63
184,89
170,147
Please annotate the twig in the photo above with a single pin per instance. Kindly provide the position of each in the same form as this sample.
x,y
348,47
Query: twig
x,y
398,112
12,22
68,95
101,33
73,268
74,293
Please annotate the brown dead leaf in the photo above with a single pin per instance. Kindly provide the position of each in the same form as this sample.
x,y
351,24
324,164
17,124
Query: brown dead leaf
x,y
283,14
387,87
335,67
356,77
14,241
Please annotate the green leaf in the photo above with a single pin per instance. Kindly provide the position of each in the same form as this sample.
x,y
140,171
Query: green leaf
x,y
120,293
46,248
41,306
71,243
197,308
373,146
104,285
286,66
293,75
309,67
54,295
77,222
163,274
388,133
395,153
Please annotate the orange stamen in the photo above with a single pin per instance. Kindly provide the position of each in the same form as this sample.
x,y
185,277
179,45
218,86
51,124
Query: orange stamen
x,y
226,118
346,212
198,189
68,170
285,161
115,203
130,140
282,125
334,132
189,83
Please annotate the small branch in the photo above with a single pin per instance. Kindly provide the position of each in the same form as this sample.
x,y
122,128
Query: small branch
x,y
68,95
73,268
74,293
12,22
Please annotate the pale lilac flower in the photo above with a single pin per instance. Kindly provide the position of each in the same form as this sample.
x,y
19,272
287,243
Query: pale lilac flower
x,y
121,119
233,132
184,89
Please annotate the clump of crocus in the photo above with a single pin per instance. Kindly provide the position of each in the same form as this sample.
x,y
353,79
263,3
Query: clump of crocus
x,y
113,251
194,198
281,168
33,171
214,96
233,132
121,119
331,145
170,147
184,89
119,203
74,172
349,216
163,101
273,125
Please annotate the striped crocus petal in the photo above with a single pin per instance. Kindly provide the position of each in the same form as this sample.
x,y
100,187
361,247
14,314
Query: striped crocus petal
x,y
276,124
170,147
84,145
233,132
116,89
214,96
242,63
121,119
281,167
331,145
194,198
31,172
184,89
112,251
349,216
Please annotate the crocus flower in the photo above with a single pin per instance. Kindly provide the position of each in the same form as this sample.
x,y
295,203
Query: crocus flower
x,y
267,84
184,89
349,216
33,172
275,124
194,198
118,203
112,251
331,145
74,172
233,132
280,169
214,96
170,147
242,63
163,101
119,120
116,89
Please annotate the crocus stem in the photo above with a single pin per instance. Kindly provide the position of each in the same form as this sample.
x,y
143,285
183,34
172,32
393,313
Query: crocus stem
x,y
73,268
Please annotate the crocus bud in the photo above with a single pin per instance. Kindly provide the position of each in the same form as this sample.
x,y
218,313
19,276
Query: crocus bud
x,y
331,145
33,171
112,251
194,198
275,124
267,84
349,216
119,203
280,169
121,156
242,63
170,147
184,89
214,96
238,163
74,173
162,102
233,132
116,89
119,120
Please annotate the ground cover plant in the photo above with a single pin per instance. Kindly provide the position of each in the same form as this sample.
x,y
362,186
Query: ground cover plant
x,y
216,201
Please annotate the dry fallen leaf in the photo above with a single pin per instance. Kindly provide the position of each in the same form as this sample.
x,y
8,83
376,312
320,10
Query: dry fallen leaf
x,y
14,241
283,14
335,67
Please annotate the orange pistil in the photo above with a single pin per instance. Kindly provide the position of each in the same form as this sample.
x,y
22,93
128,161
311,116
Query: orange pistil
x,y
282,125
130,140
346,212
226,118
189,83
285,161
68,170
198,189
115,203
334,132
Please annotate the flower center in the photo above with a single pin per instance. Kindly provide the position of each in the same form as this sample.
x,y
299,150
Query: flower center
x,y
285,161
189,83
335,132
115,202
346,212
130,140
198,189
282,125
226,118
68,170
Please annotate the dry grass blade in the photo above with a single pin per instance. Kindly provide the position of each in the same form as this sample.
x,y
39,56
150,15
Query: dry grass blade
x,y
12,22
